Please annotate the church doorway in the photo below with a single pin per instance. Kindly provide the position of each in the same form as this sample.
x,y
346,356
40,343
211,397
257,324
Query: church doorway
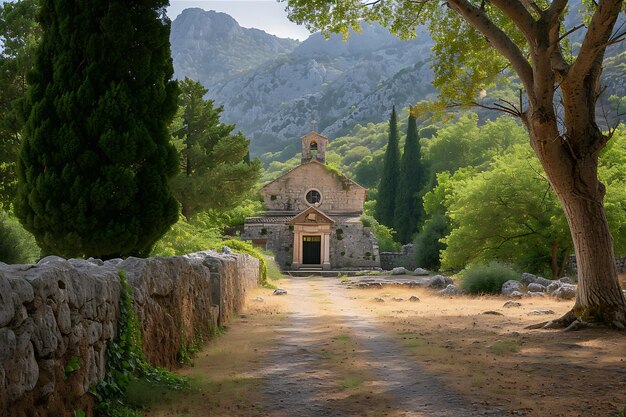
x,y
311,250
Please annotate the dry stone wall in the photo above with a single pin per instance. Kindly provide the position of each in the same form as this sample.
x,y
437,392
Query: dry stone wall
x,y
57,316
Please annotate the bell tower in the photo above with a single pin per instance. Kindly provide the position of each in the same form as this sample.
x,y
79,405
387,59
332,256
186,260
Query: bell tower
x,y
314,147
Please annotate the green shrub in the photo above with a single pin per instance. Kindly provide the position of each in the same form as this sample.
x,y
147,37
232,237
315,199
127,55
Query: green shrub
x,y
17,246
187,237
487,279
428,243
384,234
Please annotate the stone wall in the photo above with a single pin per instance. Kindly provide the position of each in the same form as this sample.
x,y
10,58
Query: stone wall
x,y
620,263
62,311
405,258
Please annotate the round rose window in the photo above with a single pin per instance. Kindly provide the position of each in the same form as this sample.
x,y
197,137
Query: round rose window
x,y
313,197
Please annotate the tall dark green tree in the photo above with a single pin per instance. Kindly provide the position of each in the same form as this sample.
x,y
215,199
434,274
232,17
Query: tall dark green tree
x,y
19,35
409,211
95,161
386,202
216,170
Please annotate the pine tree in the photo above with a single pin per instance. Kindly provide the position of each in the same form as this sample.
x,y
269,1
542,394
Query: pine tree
x,y
215,173
385,202
95,161
408,207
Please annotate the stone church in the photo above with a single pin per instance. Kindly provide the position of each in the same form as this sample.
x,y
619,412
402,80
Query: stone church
x,y
313,216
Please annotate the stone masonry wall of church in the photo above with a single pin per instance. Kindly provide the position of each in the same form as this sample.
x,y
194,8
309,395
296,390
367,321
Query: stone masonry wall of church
x,y
338,194
353,247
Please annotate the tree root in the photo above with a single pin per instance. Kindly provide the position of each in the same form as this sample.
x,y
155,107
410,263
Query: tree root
x,y
564,322
570,322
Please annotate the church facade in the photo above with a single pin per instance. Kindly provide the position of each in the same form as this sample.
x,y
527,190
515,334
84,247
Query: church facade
x,y
313,216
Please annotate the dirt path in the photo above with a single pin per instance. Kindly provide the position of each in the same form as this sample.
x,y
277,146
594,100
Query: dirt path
x,y
324,350
298,380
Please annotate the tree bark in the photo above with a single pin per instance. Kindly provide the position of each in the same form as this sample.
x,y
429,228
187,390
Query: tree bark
x,y
572,169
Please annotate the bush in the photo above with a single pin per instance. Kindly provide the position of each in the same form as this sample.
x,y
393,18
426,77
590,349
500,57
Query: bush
x,y
487,279
17,246
428,243
187,237
384,234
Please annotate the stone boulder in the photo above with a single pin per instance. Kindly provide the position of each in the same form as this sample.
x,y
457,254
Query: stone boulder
x,y
420,272
534,287
511,304
450,289
566,280
516,294
439,281
414,299
280,291
528,278
553,287
565,292
510,286
543,281
399,271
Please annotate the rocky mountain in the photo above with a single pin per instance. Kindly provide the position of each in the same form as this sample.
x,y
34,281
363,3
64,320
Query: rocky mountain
x,y
336,83
210,47
274,88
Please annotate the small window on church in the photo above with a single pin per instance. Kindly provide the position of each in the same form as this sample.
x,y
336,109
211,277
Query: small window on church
x,y
313,197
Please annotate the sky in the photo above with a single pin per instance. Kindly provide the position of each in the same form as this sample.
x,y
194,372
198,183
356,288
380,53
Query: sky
x,y
267,15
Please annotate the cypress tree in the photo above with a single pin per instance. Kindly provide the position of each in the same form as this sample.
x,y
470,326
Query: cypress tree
x,y
94,165
408,206
385,203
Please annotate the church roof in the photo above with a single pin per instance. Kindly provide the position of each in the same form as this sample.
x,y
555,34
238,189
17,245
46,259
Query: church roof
x,y
311,215
314,135
330,170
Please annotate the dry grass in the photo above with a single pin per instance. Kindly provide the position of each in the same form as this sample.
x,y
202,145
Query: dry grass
x,y
490,359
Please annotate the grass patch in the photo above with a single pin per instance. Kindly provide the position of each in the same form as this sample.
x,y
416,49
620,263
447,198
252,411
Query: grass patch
x,y
504,347
351,382
341,338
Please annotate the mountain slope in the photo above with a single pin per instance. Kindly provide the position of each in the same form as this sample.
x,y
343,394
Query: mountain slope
x,y
210,47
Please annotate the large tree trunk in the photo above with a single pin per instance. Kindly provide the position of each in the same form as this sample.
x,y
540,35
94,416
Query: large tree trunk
x,y
573,174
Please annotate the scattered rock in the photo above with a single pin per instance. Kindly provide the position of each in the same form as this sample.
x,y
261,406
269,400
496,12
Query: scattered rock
x,y
540,312
510,286
566,280
379,300
258,299
543,281
398,299
553,287
511,304
279,291
414,298
399,271
226,250
528,278
420,272
536,294
565,292
534,287
516,294
451,289
492,313
439,281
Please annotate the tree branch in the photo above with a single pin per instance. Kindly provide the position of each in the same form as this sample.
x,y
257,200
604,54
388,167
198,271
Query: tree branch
x,y
500,41
516,11
596,40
